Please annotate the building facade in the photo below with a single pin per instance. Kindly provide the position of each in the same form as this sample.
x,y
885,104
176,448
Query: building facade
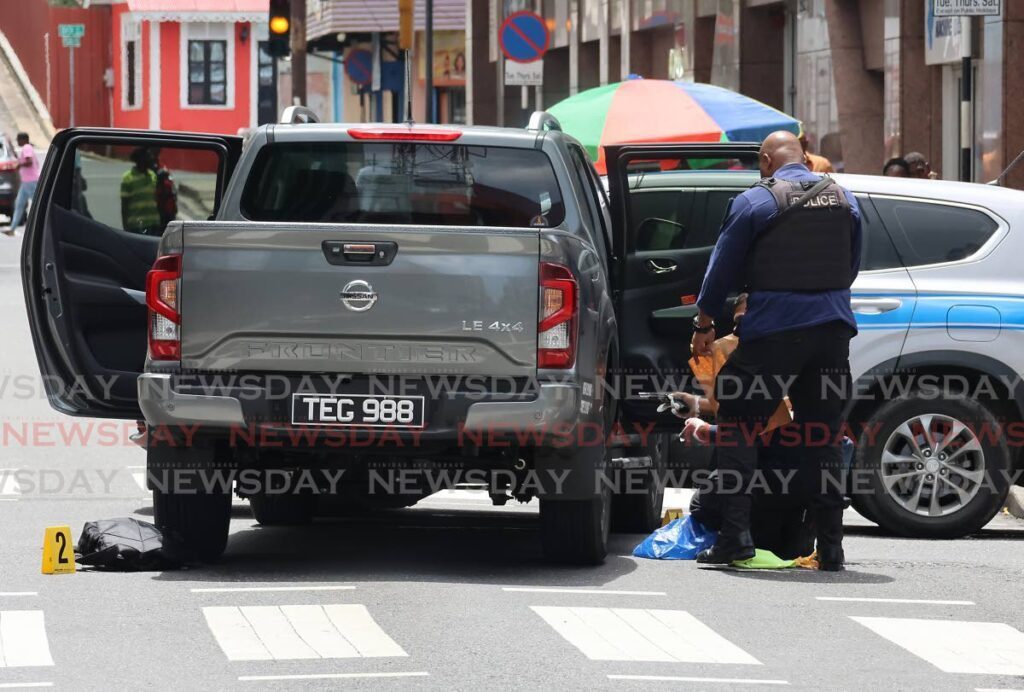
x,y
869,79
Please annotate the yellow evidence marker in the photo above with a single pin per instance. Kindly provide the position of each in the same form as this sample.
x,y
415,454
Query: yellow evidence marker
x,y
58,551
671,515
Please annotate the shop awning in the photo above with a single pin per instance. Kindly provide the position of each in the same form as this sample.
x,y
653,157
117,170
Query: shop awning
x,y
358,16
201,10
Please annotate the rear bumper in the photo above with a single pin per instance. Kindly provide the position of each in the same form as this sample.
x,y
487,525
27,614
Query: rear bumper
x,y
547,410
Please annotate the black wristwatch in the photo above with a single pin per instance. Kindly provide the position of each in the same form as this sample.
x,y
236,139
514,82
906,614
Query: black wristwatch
x,y
699,329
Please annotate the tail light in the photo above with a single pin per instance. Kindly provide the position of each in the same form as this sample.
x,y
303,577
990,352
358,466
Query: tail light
x,y
163,300
556,331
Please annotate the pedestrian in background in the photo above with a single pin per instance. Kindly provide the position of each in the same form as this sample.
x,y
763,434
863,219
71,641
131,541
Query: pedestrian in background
x,y
896,167
817,164
28,177
919,166
794,241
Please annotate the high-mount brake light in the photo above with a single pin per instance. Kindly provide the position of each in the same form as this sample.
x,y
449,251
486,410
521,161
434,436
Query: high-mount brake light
x,y
163,300
405,134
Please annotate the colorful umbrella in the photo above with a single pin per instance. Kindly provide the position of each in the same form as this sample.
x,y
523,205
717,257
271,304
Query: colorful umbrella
x,y
658,111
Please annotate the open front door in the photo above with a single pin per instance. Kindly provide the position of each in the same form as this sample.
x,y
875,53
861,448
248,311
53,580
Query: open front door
x,y
668,203
103,201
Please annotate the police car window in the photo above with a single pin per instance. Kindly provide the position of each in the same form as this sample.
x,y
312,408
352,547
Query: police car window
x,y
403,183
927,233
877,250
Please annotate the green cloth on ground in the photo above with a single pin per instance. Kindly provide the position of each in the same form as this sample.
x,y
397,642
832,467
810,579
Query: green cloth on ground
x,y
764,559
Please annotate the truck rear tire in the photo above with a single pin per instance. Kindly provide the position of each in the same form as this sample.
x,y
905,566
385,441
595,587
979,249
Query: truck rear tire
x,y
576,531
199,522
640,512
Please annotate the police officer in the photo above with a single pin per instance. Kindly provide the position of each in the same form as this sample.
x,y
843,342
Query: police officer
x,y
793,241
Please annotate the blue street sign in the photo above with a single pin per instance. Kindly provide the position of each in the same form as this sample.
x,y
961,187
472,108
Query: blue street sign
x,y
524,37
359,66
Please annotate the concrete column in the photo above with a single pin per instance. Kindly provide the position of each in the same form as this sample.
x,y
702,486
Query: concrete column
x,y
1013,87
481,88
574,47
625,40
859,92
915,92
603,40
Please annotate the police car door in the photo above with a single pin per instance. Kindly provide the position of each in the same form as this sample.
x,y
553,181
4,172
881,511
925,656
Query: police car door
x,y
668,203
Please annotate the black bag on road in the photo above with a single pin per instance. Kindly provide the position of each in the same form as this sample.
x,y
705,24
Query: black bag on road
x,y
125,545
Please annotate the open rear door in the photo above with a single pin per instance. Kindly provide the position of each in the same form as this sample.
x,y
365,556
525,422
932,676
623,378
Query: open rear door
x,y
103,200
668,203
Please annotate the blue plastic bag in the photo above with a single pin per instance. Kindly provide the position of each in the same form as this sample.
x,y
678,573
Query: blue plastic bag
x,y
680,539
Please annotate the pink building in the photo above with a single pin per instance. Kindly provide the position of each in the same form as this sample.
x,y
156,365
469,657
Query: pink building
x,y
191,65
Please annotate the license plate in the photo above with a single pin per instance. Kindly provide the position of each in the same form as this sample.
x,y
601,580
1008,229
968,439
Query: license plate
x,y
366,410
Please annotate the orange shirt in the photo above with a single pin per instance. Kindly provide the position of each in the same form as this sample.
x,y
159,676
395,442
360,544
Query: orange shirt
x,y
707,370
818,164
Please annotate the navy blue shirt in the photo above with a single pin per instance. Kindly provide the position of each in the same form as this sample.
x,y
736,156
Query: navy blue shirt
x,y
770,311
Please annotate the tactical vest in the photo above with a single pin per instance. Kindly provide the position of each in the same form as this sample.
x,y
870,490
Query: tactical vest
x,y
806,248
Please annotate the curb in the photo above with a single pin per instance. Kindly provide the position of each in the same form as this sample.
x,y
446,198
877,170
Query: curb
x,y
42,114
1015,501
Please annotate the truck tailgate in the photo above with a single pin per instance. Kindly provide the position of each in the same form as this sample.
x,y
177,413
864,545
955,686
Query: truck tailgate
x,y
451,300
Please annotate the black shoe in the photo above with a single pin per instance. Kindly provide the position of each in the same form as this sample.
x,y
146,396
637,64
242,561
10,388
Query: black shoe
x,y
829,523
728,550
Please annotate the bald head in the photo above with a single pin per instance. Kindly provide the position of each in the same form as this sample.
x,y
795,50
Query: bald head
x,y
779,149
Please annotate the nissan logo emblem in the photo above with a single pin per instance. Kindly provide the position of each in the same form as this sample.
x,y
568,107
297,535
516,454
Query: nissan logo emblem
x,y
358,296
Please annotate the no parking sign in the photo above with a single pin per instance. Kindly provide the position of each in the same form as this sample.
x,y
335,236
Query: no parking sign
x,y
524,39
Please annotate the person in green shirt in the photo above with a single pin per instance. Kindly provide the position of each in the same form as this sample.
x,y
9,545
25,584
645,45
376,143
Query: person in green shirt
x,y
139,211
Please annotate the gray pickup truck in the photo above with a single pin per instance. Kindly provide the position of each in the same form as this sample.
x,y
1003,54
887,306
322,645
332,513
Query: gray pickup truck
x,y
385,301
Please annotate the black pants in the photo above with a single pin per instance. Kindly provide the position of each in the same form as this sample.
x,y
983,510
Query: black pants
x,y
812,367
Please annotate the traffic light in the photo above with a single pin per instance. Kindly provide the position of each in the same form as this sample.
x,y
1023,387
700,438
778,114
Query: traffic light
x,y
279,45
405,24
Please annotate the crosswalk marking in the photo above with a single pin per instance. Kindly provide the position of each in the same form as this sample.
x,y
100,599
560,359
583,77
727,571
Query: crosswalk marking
x,y
261,633
262,589
9,487
139,476
334,676
23,639
956,646
631,634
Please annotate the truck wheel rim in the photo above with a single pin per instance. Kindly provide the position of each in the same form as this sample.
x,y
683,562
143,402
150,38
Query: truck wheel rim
x,y
933,465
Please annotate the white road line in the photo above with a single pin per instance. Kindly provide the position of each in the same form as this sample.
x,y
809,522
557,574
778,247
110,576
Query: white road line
x,y
852,599
996,689
23,685
678,678
332,676
9,483
956,646
139,476
608,592
19,593
261,633
628,634
23,639
268,589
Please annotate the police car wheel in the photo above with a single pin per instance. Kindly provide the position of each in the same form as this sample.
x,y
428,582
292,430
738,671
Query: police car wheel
x,y
938,468
576,531
640,493
198,521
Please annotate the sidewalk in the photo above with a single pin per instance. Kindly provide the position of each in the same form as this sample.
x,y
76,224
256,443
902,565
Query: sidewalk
x,y
21,110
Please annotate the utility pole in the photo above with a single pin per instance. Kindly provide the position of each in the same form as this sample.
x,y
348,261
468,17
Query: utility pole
x,y
966,100
298,45
429,59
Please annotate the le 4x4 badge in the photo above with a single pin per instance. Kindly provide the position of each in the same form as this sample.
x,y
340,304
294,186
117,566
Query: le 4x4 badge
x,y
496,326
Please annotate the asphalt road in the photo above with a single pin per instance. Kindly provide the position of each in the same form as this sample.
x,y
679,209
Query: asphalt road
x,y
453,594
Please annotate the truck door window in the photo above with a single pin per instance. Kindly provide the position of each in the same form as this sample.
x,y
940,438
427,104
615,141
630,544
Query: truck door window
x,y
403,183
140,189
